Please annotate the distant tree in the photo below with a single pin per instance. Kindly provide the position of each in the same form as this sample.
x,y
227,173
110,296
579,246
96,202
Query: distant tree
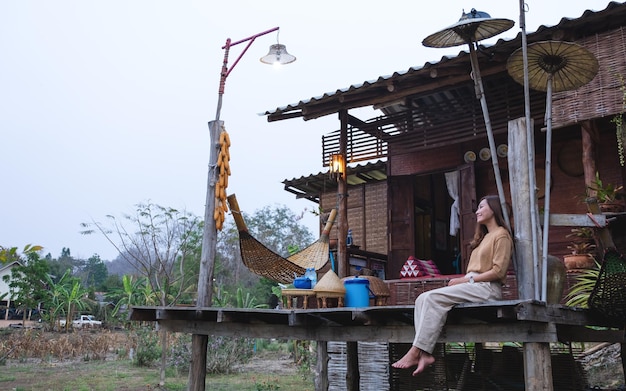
x,y
129,294
277,228
112,282
155,240
65,262
27,282
93,272
68,297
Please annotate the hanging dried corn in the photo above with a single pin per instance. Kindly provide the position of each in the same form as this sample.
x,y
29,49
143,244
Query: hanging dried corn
x,y
223,166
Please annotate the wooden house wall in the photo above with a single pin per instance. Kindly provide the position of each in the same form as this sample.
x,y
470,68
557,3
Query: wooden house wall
x,y
568,184
603,96
371,206
367,215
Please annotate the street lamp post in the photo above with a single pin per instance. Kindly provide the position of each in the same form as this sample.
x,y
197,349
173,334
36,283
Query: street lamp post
x,y
277,55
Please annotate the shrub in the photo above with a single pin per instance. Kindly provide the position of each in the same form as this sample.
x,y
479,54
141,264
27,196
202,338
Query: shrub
x,y
180,352
148,347
224,352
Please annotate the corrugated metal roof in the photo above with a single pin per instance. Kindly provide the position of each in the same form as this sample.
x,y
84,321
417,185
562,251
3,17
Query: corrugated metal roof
x,y
616,10
312,186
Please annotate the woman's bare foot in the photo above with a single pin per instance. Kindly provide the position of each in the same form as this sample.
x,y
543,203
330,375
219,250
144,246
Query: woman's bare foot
x,y
410,359
425,360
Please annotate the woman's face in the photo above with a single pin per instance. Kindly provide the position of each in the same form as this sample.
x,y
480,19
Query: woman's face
x,y
483,212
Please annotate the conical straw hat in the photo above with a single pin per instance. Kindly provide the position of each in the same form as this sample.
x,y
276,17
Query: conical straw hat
x,y
330,283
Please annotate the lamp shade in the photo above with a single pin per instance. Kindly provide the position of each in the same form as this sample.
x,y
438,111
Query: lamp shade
x,y
570,65
472,27
278,55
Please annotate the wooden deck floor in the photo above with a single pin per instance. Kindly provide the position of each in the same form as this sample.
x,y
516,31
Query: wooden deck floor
x,y
498,321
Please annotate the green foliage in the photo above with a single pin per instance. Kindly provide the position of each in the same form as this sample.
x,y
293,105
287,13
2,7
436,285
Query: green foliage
x,y
223,298
293,249
267,385
578,294
148,349
93,272
583,241
272,345
134,292
305,358
605,192
10,254
64,263
26,282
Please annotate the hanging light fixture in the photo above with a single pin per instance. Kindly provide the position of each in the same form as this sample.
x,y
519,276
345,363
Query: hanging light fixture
x,y
337,164
278,55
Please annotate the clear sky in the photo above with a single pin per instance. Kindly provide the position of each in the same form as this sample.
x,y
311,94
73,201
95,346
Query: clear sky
x,y
105,104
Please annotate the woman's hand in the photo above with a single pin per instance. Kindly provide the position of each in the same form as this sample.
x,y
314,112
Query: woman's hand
x,y
458,280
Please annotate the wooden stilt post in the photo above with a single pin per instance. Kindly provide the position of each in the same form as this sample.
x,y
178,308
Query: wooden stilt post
x,y
321,372
353,377
537,359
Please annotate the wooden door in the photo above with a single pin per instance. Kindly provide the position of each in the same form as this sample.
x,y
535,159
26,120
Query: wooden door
x,y
467,207
401,223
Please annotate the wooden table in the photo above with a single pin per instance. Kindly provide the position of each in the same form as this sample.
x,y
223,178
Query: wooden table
x,y
290,295
322,298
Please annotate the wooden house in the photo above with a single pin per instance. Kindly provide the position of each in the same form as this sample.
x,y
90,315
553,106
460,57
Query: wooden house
x,y
396,200
430,124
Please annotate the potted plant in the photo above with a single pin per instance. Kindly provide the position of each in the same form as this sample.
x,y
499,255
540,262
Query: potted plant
x,y
582,248
608,195
578,294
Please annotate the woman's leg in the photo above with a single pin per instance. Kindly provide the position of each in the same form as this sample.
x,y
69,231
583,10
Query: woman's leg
x,y
430,313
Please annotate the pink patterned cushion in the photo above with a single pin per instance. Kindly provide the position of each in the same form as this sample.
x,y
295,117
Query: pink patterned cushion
x,y
428,267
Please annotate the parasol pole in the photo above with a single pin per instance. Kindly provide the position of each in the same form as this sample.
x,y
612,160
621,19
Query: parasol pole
x,y
546,205
530,147
492,144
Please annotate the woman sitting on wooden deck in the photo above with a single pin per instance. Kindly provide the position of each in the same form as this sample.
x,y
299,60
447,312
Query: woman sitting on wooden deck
x,y
486,272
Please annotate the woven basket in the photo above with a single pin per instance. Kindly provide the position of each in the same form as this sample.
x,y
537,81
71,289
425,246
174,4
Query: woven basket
x,y
609,294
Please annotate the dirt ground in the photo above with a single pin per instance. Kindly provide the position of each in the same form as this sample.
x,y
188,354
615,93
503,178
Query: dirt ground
x,y
270,362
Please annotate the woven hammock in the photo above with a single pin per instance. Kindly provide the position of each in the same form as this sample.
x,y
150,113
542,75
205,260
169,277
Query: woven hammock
x,y
609,294
266,263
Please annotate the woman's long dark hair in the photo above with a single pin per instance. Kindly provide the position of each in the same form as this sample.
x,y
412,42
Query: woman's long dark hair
x,y
494,203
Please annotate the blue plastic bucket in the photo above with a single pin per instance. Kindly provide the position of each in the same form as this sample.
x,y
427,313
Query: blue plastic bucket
x,y
357,292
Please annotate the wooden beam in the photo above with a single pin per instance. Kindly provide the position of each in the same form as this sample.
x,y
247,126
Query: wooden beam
x,y
493,332
577,220
585,334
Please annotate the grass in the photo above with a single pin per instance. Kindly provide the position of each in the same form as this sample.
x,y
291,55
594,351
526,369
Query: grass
x,y
122,375
98,360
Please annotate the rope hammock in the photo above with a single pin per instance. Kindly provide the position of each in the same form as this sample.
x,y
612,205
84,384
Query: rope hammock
x,y
266,263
